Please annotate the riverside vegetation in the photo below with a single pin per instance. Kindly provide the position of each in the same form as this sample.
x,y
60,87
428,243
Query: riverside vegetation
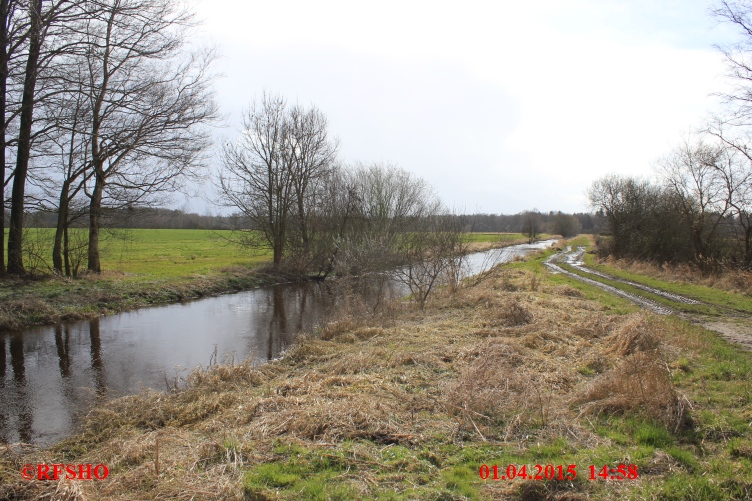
x,y
519,367
144,267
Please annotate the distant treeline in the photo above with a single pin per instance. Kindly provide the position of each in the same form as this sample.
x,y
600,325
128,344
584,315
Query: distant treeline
x,y
149,218
558,223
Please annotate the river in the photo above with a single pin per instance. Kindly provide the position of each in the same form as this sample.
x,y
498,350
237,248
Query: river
x,y
51,376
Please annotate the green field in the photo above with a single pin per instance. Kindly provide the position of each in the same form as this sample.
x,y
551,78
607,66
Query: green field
x,y
155,253
501,237
172,253
140,268
176,253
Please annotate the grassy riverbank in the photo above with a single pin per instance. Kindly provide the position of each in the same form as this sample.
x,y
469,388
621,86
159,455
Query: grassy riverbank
x,y
521,368
149,267
141,268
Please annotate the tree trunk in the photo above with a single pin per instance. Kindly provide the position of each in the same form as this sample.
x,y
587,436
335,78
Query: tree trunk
x,y
95,212
278,249
303,229
62,226
747,246
66,254
15,235
698,246
4,14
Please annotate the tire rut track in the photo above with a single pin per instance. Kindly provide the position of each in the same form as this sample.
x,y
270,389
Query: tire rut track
x,y
731,331
572,258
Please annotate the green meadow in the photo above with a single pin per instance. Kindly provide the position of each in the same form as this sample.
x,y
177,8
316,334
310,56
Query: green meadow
x,y
140,267
175,253
479,237
154,253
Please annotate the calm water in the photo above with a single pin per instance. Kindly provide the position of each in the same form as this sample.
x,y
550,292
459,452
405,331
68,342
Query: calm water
x,y
50,376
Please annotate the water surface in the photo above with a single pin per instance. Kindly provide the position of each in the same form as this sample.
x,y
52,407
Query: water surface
x,y
50,376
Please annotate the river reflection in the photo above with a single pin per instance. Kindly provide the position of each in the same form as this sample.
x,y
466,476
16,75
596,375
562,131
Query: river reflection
x,y
50,376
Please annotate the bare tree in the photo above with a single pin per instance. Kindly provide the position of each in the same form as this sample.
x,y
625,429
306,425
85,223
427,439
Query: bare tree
x,y
691,173
338,211
15,234
51,33
531,225
256,177
734,172
390,202
149,97
310,154
275,174
68,141
739,63
431,254
10,40
636,221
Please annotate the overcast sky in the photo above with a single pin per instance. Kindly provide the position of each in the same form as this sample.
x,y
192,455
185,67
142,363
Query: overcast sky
x,y
502,106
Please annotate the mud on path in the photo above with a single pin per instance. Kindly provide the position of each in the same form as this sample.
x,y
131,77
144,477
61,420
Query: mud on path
x,y
734,326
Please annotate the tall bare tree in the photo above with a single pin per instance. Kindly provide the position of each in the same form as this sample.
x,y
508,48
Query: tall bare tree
x,y
15,234
738,57
149,95
274,174
68,143
9,41
49,32
310,153
257,178
691,173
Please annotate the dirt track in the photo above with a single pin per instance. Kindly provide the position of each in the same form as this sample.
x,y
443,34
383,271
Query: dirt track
x,y
736,327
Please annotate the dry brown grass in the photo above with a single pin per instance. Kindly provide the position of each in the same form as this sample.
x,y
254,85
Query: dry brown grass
x,y
9,311
494,362
641,382
641,385
496,387
635,334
